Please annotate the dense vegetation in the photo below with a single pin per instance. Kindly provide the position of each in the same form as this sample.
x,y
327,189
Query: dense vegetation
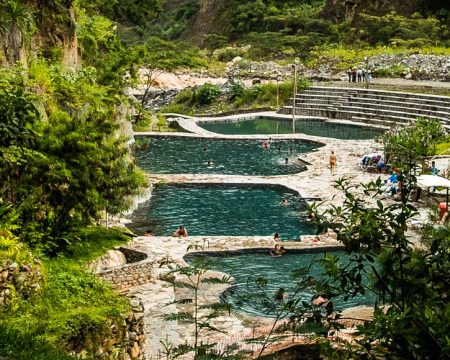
x,y
63,161
282,29
211,98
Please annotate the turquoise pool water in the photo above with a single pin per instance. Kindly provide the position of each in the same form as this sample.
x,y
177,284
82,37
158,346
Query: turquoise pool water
x,y
170,155
284,126
277,270
221,210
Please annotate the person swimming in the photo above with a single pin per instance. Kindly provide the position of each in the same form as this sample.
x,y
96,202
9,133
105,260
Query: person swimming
x,y
181,232
278,250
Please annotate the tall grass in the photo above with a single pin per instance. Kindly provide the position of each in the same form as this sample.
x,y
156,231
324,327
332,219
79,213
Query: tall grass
x,y
74,308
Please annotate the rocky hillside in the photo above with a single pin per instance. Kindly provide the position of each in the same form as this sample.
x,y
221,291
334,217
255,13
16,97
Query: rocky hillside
x,y
340,10
38,27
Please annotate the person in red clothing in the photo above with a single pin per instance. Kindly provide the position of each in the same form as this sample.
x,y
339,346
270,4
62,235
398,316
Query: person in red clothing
x,y
443,208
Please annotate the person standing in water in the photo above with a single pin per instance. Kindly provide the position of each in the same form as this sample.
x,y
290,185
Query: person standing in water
x,y
333,161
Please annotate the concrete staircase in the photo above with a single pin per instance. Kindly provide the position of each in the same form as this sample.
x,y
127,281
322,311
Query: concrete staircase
x,y
373,107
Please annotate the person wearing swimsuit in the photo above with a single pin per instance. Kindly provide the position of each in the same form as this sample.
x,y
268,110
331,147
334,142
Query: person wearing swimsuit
x,y
333,160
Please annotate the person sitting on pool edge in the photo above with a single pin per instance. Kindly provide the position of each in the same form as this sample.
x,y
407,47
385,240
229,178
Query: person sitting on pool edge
x,y
276,237
278,250
181,232
321,300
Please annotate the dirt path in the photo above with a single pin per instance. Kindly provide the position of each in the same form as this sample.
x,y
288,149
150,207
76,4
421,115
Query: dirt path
x,y
397,84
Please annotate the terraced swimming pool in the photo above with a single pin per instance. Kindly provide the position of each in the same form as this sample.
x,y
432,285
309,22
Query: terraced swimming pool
x,y
173,155
278,272
234,210
314,127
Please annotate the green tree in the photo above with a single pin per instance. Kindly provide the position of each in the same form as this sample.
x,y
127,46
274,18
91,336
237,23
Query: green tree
x,y
62,172
213,42
406,145
407,278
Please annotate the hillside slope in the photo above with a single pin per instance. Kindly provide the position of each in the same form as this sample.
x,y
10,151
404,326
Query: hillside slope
x,y
340,10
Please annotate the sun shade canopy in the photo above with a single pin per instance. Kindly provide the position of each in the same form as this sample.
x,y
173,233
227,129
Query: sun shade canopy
x,y
432,181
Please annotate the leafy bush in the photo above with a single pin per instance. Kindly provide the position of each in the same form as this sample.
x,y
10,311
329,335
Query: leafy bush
x,y
229,53
207,93
75,309
236,88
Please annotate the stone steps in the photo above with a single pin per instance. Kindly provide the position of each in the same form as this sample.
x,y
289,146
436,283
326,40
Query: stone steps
x,y
377,107
369,101
373,92
413,113
379,98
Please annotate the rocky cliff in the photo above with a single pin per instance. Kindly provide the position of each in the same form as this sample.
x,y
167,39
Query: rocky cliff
x,y
42,28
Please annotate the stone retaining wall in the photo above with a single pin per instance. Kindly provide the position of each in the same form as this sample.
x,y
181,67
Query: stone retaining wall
x,y
126,276
129,275
19,281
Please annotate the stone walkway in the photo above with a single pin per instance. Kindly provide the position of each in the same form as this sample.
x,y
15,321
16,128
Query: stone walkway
x,y
314,183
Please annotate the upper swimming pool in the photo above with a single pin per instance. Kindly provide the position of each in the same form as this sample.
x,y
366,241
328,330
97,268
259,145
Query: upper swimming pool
x,y
173,155
261,125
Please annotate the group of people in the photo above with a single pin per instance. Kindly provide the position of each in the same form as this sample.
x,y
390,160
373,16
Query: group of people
x,y
359,75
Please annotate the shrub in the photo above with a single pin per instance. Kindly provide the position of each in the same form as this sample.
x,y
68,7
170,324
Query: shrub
x,y
207,93
236,88
228,54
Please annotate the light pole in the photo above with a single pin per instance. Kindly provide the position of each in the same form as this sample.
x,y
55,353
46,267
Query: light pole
x,y
278,91
366,59
295,67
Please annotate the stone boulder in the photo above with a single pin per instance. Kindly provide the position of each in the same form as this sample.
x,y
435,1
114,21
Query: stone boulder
x,y
111,259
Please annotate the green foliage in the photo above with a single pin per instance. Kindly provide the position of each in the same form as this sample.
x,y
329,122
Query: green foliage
x,y
94,33
393,27
190,278
407,278
409,144
75,308
174,19
135,11
229,53
213,42
70,167
207,93
162,122
237,97
266,94
94,242
166,55
23,346
237,88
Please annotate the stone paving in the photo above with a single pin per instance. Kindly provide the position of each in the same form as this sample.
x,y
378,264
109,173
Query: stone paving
x,y
314,183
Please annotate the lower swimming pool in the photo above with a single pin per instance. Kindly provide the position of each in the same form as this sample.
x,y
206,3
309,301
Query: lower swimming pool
x,y
277,271
237,210
173,155
262,125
